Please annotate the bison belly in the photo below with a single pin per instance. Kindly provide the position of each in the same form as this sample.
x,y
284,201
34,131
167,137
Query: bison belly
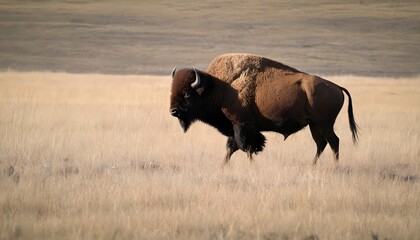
x,y
282,108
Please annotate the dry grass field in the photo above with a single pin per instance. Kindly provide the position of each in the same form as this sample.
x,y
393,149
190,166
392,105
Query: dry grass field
x,y
99,157
91,156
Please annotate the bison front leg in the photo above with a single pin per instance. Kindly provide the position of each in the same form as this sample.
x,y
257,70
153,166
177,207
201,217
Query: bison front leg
x,y
248,138
231,147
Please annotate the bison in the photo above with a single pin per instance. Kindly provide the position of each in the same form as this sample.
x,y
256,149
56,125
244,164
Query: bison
x,y
242,95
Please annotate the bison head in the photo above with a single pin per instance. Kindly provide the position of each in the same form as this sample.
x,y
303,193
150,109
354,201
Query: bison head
x,y
186,96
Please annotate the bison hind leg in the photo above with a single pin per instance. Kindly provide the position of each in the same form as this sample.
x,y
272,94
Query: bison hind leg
x,y
328,134
332,140
320,141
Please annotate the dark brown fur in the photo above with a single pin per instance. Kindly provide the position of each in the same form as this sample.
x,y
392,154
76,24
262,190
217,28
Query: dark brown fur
x,y
242,95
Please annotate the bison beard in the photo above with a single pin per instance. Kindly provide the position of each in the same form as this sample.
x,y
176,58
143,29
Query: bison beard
x,y
182,117
185,124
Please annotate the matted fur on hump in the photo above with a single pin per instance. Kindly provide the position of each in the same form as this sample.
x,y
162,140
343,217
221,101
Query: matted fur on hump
x,y
240,71
243,71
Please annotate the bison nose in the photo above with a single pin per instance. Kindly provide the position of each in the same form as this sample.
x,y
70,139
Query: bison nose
x,y
174,112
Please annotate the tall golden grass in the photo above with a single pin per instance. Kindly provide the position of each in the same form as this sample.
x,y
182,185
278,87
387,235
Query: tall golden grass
x,y
100,157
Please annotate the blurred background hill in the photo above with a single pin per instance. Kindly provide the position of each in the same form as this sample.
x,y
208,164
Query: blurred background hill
x,y
374,38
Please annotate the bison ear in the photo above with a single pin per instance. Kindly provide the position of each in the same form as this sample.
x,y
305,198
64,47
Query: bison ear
x,y
201,89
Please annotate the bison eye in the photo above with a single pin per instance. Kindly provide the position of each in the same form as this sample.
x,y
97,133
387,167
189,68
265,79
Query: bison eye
x,y
187,95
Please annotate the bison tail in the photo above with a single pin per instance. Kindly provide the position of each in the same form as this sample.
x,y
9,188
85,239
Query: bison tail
x,y
353,126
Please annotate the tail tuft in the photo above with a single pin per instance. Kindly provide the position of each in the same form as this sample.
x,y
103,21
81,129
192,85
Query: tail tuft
x,y
353,126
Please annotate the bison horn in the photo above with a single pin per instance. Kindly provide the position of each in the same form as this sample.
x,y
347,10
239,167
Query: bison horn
x,y
173,72
197,81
